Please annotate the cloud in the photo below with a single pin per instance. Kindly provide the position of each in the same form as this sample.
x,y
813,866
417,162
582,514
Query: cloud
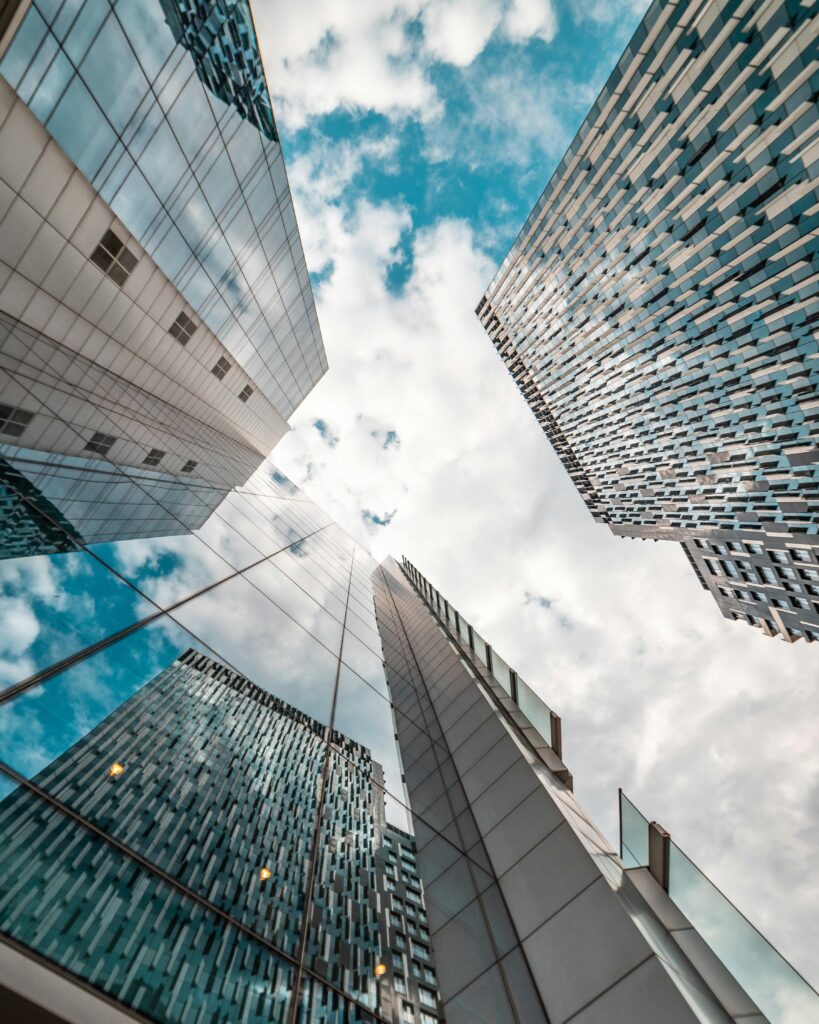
x,y
377,56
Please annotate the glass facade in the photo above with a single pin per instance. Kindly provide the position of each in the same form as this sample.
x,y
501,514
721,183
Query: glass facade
x,y
658,309
163,108
193,713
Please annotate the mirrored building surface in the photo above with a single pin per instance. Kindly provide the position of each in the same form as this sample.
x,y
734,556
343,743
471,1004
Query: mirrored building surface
x,y
658,309
157,324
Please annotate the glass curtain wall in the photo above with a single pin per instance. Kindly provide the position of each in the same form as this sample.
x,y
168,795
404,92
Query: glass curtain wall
x,y
121,664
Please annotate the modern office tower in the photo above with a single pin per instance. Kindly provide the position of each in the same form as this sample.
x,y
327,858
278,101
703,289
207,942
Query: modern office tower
x,y
658,309
532,916
205,779
157,323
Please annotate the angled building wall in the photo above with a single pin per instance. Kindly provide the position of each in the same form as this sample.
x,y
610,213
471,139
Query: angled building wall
x,y
155,308
533,916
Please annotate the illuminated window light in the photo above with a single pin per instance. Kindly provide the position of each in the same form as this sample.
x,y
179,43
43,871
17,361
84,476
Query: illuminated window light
x,y
264,874
116,769
380,969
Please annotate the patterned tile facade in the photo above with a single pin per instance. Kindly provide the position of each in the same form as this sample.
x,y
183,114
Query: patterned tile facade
x,y
658,309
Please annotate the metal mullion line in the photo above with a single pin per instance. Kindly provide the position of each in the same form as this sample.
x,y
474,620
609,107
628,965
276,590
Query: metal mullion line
x,y
171,880
120,471
478,893
328,731
195,177
60,666
311,301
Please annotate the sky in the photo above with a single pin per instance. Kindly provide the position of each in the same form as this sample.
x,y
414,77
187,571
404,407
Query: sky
x,y
417,137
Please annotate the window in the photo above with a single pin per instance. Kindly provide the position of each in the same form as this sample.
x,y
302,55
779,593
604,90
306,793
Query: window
x,y
427,998
429,976
101,444
400,941
14,421
182,328
801,602
755,549
189,466
779,556
408,1016
153,458
399,984
427,1018
420,950
245,393
114,258
800,554
221,368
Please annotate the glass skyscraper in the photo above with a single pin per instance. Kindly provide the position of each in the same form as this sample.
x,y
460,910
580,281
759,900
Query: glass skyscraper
x,y
157,323
658,309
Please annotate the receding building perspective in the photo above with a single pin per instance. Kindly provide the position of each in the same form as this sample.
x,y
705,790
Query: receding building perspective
x,y
157,323
658,309
533,917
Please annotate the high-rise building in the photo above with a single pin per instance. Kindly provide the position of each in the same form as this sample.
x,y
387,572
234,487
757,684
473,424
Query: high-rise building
x,y
157,322
532,915
658,308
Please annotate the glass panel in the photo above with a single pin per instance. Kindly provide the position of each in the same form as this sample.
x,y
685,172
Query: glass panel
x,y
777,989
257,639
500,670
480,647
535,710
71,896
633,835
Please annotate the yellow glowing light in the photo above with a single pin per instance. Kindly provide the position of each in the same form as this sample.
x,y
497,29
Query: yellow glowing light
x,y
264,874
116,769
380,969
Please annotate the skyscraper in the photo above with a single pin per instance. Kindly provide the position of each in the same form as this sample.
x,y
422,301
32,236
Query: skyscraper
x,y
157,323
658,308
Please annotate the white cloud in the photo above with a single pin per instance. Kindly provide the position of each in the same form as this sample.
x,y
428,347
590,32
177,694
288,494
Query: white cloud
x,y
657,691
531,19
456,31
372,56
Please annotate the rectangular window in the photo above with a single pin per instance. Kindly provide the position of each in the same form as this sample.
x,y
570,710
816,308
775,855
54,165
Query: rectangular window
x,y
14,421
113,258
221,368
189,466
182,328
779,556
427,997
245,393
427,1018
399,984
800,554
154,457
101,444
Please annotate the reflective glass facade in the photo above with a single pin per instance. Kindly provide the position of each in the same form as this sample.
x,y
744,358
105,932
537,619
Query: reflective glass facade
x,y
658,309
235,674
171,126
157,325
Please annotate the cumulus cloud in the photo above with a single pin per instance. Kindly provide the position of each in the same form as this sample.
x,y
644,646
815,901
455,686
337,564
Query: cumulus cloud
x,y
377,56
